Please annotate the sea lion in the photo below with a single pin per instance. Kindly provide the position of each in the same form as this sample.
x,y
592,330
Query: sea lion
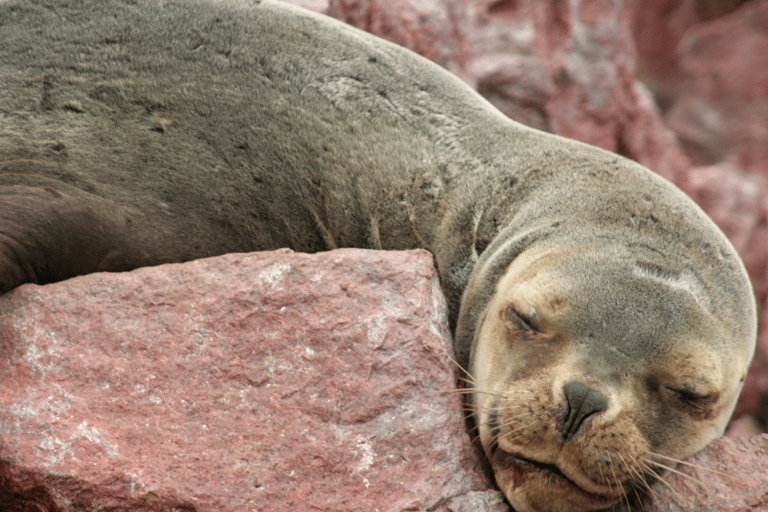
x,y
605,322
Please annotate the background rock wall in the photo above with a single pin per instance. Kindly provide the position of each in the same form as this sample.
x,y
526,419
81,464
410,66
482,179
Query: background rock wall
x,y
262,382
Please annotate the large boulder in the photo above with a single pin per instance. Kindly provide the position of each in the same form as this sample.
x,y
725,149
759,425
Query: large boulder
x,y
244,382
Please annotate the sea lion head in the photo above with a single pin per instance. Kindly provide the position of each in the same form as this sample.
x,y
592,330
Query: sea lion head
x,y
596,366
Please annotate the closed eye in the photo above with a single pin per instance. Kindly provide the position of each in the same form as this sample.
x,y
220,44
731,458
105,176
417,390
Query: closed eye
x,y
693,399
523,322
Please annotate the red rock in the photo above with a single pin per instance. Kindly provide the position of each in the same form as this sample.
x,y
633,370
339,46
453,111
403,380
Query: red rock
x,y
658,26
728,55
491,501
729,476
744,426
722,110
707,63
245,382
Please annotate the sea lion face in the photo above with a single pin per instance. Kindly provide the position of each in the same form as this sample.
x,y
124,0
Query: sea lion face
x,y
596,372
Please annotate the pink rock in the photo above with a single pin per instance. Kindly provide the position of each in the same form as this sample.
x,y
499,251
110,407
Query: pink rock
x,y
658,26
490,501
729,476
744,426
262,381
728,55
708,64
724,115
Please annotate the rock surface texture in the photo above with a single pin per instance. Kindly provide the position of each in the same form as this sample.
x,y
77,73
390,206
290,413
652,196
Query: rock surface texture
x,y
729,476
271,381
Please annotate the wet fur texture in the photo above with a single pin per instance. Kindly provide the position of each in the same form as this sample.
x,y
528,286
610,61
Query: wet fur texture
x,y
143,132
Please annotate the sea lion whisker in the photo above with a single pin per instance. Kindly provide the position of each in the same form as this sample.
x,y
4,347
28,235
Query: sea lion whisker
x,y
639,477
692,465
474,431
470,391
476,406
516,429
619,485
641,473
661,478
673,470
466,376
474,409
462,391
645,488
514,417
522,427
510,406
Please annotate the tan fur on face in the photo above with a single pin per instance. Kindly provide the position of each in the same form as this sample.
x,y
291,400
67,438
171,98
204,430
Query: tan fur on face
x,y
616,451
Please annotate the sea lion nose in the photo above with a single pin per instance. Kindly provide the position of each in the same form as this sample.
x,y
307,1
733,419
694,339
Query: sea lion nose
x,y
580,403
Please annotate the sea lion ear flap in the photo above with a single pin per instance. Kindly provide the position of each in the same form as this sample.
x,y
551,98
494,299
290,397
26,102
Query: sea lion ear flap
x,y
479,241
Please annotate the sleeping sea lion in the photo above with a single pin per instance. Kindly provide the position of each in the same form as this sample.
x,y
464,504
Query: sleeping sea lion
x,y
606,323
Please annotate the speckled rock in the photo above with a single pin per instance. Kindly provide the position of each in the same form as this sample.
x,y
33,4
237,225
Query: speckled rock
x,y
729,476
246,382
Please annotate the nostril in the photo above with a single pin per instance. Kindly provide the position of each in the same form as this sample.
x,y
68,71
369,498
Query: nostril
x,y
580,403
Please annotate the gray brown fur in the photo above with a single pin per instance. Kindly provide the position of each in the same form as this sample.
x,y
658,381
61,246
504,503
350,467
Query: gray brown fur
x,y
140,132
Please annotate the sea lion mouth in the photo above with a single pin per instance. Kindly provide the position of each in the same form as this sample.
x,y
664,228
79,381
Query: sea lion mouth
x,y
524,463
526,469
525,466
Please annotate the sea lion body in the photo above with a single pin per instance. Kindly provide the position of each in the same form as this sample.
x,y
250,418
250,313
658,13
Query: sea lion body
x,y
139,134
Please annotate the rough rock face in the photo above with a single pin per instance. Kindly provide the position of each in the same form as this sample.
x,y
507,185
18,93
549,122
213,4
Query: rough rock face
x,y
710,70
729,476
244,382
